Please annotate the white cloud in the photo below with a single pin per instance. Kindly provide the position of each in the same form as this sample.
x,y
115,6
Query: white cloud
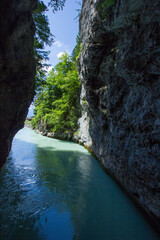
x,y
58,44
31,106
60,54
48,69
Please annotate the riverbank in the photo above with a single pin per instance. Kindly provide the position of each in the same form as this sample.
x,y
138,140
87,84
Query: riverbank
x,y
66,135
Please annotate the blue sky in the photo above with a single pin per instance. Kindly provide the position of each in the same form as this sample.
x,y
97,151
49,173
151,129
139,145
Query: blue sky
x,y
65,28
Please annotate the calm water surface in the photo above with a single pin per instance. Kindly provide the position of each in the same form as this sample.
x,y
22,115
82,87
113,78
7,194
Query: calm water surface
x,y
55,190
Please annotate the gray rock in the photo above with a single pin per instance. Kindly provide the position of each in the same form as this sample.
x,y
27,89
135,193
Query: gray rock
x,y
83,135
17,68
119,69
50,134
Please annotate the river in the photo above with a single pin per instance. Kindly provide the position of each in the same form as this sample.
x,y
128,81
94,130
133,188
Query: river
x,y
55,190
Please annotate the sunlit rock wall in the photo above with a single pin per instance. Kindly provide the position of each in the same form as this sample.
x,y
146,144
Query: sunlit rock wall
x,y
119,70
17,68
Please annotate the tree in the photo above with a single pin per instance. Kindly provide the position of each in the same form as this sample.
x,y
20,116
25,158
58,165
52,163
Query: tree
x,y
57,106
57,4
43,37
57,101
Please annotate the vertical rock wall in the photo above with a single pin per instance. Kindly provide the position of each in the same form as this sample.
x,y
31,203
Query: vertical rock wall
x,y
17,68
120,73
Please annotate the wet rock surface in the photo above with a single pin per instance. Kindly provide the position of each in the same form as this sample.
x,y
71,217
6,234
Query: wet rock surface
x,y
119,70
17,68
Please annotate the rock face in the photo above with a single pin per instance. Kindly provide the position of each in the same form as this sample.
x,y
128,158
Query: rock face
x,y
119,70
17,68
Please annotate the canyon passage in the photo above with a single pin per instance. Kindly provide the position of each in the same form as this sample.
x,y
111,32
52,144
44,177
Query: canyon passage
x,y
120,85
52,189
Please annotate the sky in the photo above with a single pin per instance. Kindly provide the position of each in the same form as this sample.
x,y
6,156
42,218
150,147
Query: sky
x,y
65,28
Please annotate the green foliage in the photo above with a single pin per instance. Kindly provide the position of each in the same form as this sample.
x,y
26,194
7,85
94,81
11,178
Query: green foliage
x,y
84,102
76,133
43,37
76,51
57,104
42,34
57,101
57,4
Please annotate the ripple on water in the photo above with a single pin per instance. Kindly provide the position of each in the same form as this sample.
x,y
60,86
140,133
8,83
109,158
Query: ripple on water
x,y
52,189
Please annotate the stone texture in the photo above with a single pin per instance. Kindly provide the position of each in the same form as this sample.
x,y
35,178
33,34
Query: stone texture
x,y
17,68
83,135
119,69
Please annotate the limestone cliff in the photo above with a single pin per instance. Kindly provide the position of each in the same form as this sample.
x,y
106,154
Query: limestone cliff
x,y
17,68
119,70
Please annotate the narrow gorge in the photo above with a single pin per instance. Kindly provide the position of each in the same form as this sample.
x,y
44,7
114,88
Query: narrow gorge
x,y
119,70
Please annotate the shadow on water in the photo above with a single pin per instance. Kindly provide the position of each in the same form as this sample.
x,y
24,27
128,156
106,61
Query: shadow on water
x,y
51,194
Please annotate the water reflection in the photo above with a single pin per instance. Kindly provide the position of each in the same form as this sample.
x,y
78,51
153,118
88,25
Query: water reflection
x,y
51,192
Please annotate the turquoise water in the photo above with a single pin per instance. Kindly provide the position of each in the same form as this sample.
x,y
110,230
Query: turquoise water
x,y
55,190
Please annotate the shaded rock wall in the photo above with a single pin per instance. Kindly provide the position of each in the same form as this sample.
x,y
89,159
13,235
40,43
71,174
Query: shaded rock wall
x,y
120,74
17,68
